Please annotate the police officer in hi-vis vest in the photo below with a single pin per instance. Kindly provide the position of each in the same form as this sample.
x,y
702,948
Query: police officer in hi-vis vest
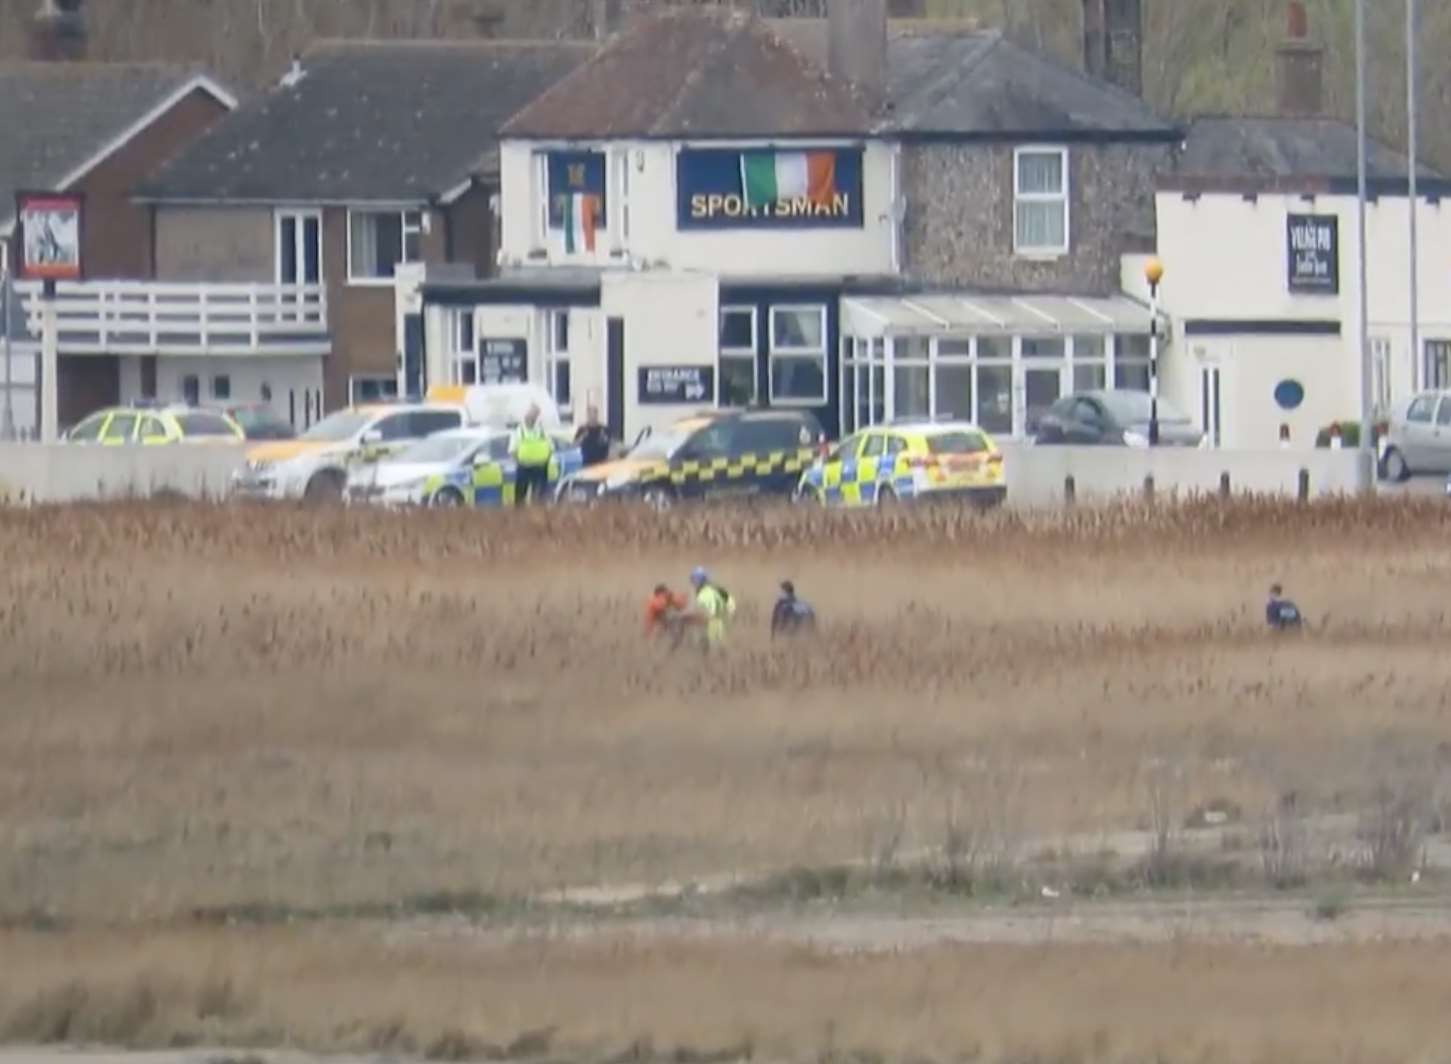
x,y
532,450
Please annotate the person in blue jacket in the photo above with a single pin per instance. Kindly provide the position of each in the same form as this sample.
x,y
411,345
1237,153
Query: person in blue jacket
x,y
1281,614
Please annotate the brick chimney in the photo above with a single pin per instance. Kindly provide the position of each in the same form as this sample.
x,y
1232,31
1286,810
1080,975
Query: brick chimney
x,y
58,31
857,45
1299,67
1113,42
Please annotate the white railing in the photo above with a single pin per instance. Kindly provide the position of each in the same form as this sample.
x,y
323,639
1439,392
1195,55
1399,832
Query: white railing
x,y
163,318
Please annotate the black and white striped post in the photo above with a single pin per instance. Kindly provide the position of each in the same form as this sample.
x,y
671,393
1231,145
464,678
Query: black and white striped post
x,y
1153,273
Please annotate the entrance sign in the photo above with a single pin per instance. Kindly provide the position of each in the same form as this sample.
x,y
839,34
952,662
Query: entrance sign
x,y
50,236
769,188
503,361
1313,253
677,384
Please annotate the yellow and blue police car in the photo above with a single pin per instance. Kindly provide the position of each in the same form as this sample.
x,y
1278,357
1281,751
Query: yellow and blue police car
x,y
152,425
908,460
460,467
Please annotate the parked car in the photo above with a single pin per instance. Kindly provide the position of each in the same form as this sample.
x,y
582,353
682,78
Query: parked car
x,y
716,453
460,467
150,426
315,466
910,460
1115,419
1418,439
259,421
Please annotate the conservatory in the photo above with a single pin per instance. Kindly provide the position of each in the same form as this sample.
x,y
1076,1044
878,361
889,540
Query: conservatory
x,y
997,360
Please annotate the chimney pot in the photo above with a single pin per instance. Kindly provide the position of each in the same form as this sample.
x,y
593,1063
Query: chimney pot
x,y
58,31
1300,68
1298,19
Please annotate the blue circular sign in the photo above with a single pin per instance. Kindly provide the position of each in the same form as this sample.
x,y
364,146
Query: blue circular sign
x,y
1289,394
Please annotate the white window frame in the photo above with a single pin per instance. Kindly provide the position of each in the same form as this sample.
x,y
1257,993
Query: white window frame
x,y
1439,343
1063,197
540,236
800,353
299,218
740,353
555,354
416,228
463,350
620,234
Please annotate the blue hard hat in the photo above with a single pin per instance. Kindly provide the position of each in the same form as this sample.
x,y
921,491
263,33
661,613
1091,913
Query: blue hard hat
x,y
698,576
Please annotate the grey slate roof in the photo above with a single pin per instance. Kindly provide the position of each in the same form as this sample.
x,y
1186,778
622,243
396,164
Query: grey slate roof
x,y
950,78
695,72
1282,148
369,121
56,117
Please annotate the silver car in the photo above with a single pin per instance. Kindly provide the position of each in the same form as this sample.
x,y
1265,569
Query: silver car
x,y
1419,437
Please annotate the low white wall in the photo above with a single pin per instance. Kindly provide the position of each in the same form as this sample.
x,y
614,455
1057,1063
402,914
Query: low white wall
x,y
65,473
1037,475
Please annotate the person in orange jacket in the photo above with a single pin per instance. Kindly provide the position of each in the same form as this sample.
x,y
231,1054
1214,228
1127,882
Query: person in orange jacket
x,y
666,613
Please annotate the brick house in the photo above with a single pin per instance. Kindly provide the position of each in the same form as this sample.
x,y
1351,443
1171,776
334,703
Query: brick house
x,y
366,158
96,129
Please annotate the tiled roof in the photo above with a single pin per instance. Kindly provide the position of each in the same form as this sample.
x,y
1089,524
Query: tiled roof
x,y
369,121
1282,148
57,117
693,72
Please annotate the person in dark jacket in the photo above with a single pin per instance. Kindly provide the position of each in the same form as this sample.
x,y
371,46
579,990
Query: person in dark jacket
x,y
791,615
592,438
1281,614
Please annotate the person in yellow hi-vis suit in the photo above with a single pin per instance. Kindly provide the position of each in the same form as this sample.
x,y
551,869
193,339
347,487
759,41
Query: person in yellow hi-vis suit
x,y
532,450
714,606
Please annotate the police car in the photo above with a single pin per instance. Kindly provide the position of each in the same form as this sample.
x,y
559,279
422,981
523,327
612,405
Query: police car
x,y
152,425
712,454
908,460
461,467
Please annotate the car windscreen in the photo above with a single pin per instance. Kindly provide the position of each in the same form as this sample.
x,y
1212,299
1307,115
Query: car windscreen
x,y
660,446
337,427
443,448
957,443
261,422
201,424
1133,408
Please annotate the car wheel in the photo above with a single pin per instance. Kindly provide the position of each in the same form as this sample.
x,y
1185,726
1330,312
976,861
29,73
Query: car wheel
x,y
324,487
1396,469
447,498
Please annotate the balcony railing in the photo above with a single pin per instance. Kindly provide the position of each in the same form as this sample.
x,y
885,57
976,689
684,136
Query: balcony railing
x,y
162,318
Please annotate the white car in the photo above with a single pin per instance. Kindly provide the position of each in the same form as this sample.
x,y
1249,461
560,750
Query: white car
x,y
317,464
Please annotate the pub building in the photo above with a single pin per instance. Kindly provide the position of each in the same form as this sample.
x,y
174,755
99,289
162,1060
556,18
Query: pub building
x,y
871,221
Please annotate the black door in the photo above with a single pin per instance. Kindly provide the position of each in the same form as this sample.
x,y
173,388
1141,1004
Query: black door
x,y
413,355
615,378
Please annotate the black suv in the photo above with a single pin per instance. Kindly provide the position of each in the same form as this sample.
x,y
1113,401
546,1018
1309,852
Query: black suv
x,y
718,453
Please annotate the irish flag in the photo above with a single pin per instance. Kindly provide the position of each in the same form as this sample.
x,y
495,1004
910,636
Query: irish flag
x,y
771,177
581,218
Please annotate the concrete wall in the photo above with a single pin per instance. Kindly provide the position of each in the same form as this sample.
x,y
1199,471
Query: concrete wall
x,y
653,237
66,473
217,244
1036,475
960,216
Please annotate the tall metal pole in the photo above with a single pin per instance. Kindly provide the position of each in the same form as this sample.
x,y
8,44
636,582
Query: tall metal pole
x,y
49,360
1413,156
7,416
1153,363
1367,446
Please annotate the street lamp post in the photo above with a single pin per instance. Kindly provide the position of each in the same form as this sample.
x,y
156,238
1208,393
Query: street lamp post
x,y
1367,429
1153,273
1411,185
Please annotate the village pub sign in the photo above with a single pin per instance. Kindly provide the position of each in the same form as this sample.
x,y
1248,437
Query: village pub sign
x,y
769,188
1313,250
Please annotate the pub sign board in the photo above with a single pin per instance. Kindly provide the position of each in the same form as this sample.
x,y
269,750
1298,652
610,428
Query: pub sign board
x,y
769,188
677,384
503,361
50,236
1313,250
